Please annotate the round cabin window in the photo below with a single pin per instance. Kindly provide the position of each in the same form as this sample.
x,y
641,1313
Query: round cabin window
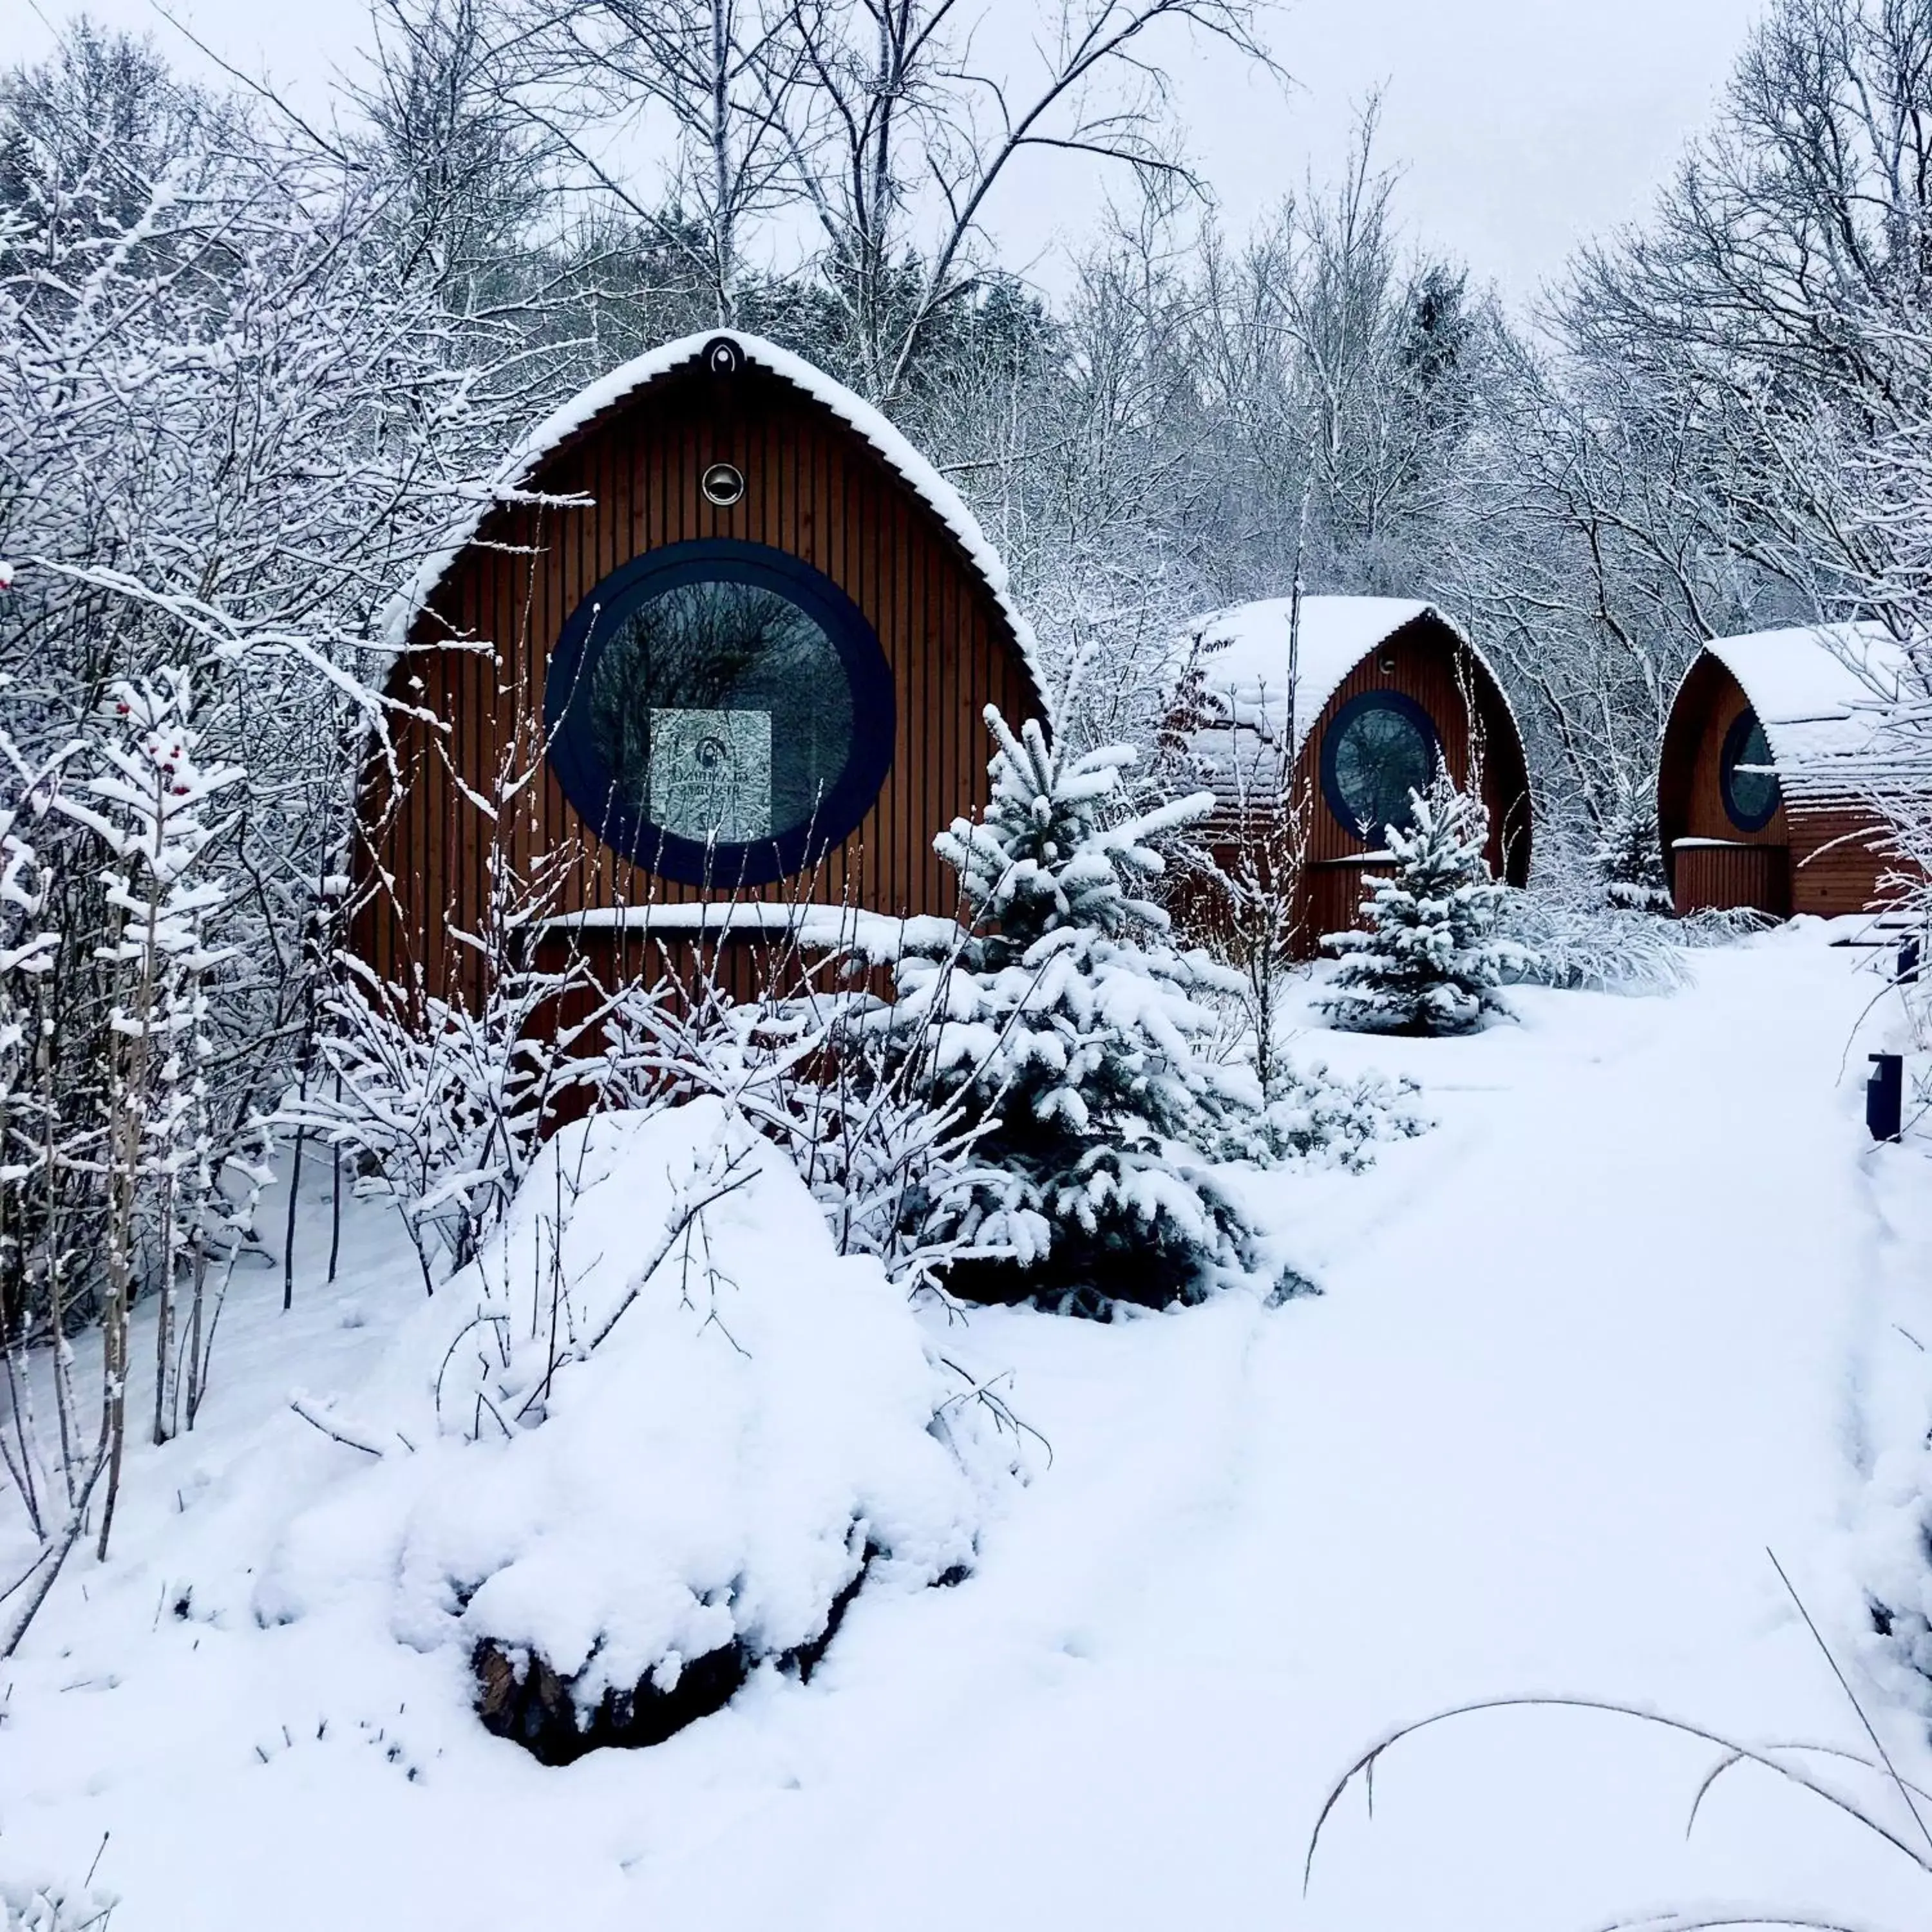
x,y
1381,747
1745,776
720,712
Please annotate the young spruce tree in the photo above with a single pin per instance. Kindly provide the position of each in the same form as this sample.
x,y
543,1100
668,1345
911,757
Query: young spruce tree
x,y
1073,1027
1629,856
1429,961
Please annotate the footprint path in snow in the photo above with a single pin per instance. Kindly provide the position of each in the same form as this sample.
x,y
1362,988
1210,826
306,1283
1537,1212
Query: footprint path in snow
x,y
1572,1371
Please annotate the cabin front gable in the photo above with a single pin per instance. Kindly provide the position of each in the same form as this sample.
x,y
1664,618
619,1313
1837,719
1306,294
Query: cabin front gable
x,y
693,467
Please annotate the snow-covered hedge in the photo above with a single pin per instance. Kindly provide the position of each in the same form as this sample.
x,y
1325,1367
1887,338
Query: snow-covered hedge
x,y
657,1435
1321,1120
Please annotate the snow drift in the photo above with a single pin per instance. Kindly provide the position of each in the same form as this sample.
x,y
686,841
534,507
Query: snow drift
x,y
656,1437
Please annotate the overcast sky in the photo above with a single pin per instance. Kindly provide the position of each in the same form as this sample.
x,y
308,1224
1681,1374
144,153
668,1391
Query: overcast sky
x,y
1523,125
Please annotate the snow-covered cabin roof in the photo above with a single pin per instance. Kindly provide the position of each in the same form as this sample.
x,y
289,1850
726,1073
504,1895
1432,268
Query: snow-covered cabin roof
x,y
1821,692
517,469
1242,654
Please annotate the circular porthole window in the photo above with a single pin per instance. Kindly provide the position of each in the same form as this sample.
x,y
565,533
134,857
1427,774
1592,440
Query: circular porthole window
x,y
720,712
1381,747
1745,776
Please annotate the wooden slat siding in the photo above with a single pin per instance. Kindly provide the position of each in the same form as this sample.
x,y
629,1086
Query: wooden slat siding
x,y
935,657
1422,661
1832,859
1721,878
1840,858
815,489
1334,896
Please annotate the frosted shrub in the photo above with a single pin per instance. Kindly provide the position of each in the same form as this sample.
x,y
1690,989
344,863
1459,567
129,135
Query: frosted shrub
x,y
656,1437
1431,959
53,1908
442,1102
1327,1122
810,1070
1585,947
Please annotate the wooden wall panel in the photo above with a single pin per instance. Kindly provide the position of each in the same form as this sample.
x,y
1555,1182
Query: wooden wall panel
x,y
813,488
1726,877
1332,897
1830,856
1427,662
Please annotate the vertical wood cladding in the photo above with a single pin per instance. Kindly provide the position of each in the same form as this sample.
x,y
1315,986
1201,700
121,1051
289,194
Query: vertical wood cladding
x,y
814,489
1817,857
1723,878
1424,661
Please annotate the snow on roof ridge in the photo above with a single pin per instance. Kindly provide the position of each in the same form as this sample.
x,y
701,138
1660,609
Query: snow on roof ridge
x,y
932,489
1819,690
1249,643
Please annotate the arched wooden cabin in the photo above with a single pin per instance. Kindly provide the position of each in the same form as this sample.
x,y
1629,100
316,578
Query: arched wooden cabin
x,y
1759,800
733,663
1342,716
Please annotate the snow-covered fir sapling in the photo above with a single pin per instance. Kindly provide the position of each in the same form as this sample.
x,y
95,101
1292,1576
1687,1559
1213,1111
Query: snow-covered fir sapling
x,y
1629,855
1430,960
1074,1028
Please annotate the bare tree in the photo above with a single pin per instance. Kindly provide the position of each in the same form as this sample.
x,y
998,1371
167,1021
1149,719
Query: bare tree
x,y
710,84
904,129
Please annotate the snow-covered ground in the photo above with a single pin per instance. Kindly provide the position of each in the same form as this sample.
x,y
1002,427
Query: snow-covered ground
x,y
1585,1352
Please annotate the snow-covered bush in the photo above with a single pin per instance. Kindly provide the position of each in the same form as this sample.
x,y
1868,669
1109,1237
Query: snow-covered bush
x,y
150,795
1720,925
810,1069
53,1908
1590,948
27,954
654,1438
1324,1120
443,1101
1430,960
1242,897
1073,1031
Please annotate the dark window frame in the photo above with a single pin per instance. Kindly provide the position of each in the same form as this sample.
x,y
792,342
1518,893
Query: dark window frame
x,y
1381,699
590,785
1736,736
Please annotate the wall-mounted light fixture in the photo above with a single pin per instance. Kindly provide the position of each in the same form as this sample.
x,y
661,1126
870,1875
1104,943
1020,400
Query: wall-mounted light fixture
x,y
722,484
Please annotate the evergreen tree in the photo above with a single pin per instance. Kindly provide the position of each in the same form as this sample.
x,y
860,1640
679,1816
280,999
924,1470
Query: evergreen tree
x,y
1076,1031
1629,855
1429,961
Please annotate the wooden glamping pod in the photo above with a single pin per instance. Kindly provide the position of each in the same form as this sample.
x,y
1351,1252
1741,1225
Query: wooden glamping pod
x,y
733,663
1757,797
1381,688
